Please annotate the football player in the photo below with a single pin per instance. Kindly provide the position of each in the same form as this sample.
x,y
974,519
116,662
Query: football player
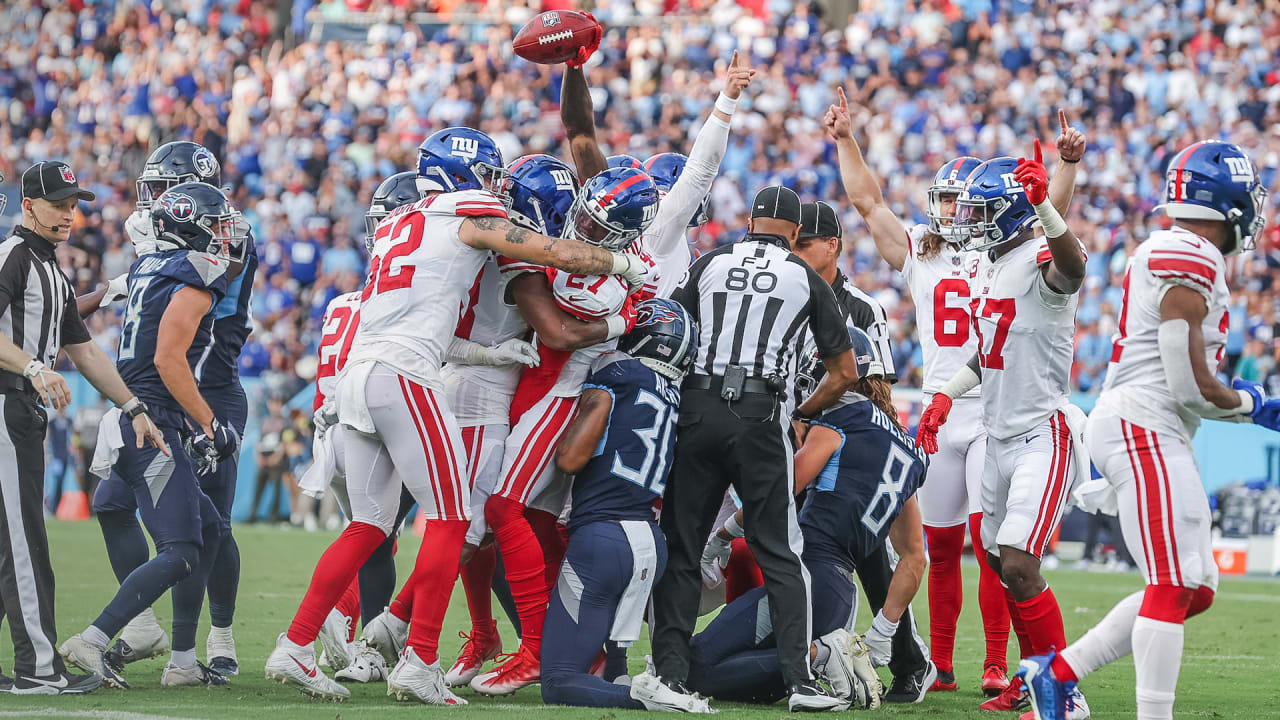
x,y
390,396
860,470
167,330
619,450
1170,339
1024,314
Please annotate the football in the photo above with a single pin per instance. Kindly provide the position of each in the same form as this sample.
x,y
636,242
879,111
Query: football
x,y
555,36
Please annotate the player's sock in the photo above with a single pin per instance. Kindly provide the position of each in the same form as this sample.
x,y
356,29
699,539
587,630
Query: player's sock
x,y
126,544
991,600
1157,657
1105,642
522,556
401,608
1201,599
183,658
332,575
1019,625
477,579
378,580
188,594
547,529
436,570
742,574
615,660
945,591
224,583
1043,619
349,605
145,585
502,591
96,636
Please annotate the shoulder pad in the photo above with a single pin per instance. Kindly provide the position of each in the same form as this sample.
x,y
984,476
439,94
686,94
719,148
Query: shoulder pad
x,y
197,269
1183,258
465,203
589,297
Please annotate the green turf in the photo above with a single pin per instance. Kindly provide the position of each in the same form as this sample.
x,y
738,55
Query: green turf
x,y
1228,668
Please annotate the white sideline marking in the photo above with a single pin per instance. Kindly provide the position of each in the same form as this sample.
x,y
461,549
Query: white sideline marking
x,y
96,714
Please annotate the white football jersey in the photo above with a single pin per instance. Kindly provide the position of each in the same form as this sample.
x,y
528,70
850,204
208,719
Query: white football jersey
x,y
939,287
1136,388
420,278
1026,340
337,331
486,390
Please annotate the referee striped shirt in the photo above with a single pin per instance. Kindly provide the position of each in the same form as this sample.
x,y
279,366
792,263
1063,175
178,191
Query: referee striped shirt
x,y
865,313
37,303
751,299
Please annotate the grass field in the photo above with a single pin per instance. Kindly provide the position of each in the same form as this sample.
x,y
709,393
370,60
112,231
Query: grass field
x,y
1231,652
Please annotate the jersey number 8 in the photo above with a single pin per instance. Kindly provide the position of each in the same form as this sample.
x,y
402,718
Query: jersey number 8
x,y
132,318
893,479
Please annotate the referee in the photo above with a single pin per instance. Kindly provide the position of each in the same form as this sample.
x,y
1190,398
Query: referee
x,y
37,318
750,300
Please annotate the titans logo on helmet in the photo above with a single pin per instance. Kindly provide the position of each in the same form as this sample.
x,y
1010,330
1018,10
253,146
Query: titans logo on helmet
x,y
180,206
650,313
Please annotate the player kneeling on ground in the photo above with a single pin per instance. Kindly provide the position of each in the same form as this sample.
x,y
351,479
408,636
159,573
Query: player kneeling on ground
x,y
861,471
619,447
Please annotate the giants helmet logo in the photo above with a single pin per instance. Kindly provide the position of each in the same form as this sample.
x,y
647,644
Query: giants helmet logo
x,y
180,206
204,162
465,148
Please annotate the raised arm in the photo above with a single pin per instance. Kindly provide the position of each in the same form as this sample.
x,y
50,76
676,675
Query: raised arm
x,y
501,236
577,115
1065,270
862,187
1071,145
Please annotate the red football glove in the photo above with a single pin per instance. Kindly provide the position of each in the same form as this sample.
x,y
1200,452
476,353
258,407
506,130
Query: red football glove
x,y
628,313
1033,176
586,51
931,420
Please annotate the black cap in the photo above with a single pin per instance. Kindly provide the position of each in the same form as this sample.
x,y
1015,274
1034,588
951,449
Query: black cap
x,y
777,202
52,180
819,220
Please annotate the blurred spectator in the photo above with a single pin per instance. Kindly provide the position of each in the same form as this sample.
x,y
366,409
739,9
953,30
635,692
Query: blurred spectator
x,y
273,463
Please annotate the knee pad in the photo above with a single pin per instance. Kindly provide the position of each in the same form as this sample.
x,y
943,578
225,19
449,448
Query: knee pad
x,y
1167,603
1201,599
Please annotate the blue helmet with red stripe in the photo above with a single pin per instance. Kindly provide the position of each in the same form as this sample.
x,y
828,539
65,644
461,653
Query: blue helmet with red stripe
x,y
665,338
460,158
540,190
993,208
614,208
665,169
624,161
949,180
1215,180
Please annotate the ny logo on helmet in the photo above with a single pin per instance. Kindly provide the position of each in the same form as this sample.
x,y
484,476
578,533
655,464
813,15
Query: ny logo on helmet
x,y
1010,181
465,148
1241,169
204,162
180,206
650,212
562,178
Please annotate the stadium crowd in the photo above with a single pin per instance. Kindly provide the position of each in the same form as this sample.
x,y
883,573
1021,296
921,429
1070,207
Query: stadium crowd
x,y
306,132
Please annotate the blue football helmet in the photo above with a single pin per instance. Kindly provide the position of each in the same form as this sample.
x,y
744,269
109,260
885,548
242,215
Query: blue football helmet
x,y
399,189
613,208
810,370
665,338
197,216
624,161
993,208
459,158
1215,180
540,190
949,180
175,163
665,169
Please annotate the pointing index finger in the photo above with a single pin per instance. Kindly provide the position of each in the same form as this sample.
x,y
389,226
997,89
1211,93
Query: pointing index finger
x,y
844,101
1039,156
1062,120
733,63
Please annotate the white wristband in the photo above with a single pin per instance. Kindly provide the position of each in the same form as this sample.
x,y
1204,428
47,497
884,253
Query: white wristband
x,y
621,263
617,326
884,625
962,382
726,104
1052,222
33,368
732,527
130,404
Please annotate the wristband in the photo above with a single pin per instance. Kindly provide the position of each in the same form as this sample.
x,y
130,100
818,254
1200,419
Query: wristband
x,y
1053,224
884,625
800,416
133,408
1246,403
962,382
726,104
33,368
621,263
732,527
617,327
1070,162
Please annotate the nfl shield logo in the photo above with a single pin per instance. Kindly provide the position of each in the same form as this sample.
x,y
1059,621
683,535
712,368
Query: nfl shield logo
x,y
66,173
550,19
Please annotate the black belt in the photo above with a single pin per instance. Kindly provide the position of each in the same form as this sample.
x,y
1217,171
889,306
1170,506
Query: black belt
x,y
11,382
714,382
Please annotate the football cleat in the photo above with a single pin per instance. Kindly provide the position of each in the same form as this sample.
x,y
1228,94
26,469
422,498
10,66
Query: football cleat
x,y
946,682
651,691
220,649
868,689
6,683
414,679
296,665
141,639
333,640
518,670
198,674
912,688
60,684
809,697
478,649
838,671
994,680
387,634
1014,697
366,665
89,657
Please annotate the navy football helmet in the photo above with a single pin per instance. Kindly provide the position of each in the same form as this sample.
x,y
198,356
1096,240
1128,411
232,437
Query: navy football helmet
x,y
197,216
665,169
460,158
613,208
399,189
810,370
540,190
624,161
175,163
949,180
1215,180
665,338
993,208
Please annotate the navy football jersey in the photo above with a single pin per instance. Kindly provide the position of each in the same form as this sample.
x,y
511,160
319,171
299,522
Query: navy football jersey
x,y
628,471
231,326
860,491
153,280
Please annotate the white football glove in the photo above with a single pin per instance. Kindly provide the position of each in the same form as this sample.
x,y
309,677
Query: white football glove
x,y
325,417
632,269
138,228
868,689
879,640
715,558
514,351
117,289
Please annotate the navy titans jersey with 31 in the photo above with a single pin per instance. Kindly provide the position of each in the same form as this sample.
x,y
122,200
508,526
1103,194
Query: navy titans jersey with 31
x,y
629,469
153,281
860,491
231,326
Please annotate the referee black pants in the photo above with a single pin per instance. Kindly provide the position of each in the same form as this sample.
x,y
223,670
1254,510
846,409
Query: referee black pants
x,y
26,575
746,445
